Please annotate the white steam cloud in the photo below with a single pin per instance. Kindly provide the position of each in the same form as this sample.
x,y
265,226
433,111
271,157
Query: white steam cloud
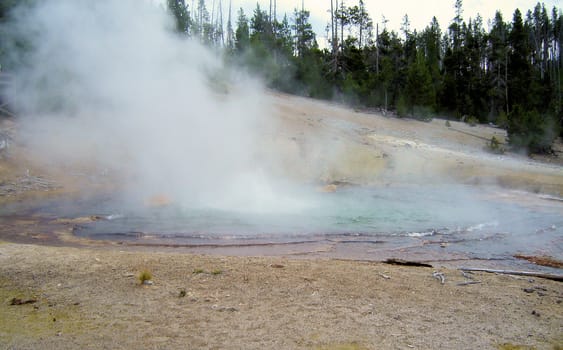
x,y
109,83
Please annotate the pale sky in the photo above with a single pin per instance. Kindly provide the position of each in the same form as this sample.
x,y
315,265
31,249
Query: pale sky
x,y
420,12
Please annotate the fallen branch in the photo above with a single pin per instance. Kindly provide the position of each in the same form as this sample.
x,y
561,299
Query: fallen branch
x,y
393,261
548,276
18,301
384,276
439,276
468,283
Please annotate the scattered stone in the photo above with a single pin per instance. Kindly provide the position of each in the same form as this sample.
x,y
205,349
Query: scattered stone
x,y
226,309
529,290
535,313
148,282
277,266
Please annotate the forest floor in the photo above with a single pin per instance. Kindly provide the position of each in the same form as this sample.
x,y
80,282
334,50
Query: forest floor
x,y
66,292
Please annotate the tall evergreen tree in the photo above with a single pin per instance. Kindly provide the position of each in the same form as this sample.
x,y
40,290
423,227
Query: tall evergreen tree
x,y
179,10
242,34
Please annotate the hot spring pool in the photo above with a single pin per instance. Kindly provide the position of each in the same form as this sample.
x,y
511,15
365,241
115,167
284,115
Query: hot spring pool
x,y
479,222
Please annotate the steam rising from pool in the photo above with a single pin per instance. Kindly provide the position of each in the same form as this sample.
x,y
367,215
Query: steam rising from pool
x,y
109,83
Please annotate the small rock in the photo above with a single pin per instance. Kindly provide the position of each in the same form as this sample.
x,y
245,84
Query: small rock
x,y
227,309
535,313
148,282
529,290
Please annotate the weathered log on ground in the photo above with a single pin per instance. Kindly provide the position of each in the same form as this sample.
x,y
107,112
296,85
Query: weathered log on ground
x,y
549,276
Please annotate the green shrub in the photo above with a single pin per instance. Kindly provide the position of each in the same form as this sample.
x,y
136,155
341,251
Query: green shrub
x,y
423,113
495,146
502,120
531,130
472,121
402,108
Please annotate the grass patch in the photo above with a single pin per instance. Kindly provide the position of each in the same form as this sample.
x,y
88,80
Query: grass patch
x,y
145,276
216,272
35,321
198,271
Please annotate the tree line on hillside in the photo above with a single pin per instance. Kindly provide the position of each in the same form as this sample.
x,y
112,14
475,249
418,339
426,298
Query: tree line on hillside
x,y
509,74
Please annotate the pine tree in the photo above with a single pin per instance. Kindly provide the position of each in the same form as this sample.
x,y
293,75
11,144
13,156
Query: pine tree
x,y
304,34
242,34
179,10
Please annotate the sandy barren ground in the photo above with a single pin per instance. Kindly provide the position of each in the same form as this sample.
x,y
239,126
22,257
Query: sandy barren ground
x,y
74,293
92,298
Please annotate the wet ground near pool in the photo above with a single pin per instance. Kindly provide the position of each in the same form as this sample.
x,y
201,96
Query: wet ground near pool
x,y
450,224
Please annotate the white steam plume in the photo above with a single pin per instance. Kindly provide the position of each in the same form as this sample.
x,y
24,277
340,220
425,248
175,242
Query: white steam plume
x,y
108,82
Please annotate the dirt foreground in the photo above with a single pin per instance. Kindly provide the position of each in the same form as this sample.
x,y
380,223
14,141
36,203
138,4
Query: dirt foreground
x,y
83,295
91,298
